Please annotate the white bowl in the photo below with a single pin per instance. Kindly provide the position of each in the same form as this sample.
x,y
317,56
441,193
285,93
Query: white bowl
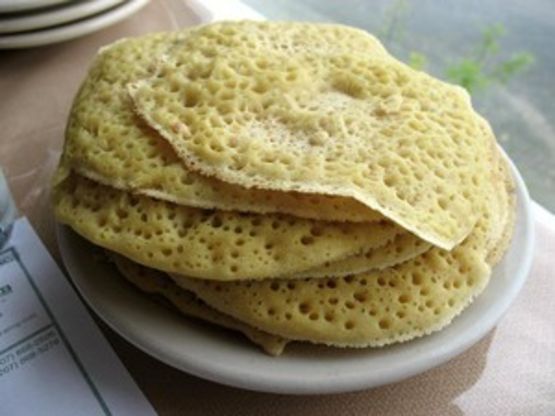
x,y
224,357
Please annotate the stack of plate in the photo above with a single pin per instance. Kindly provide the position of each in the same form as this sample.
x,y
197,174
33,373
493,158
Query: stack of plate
x,y
28,23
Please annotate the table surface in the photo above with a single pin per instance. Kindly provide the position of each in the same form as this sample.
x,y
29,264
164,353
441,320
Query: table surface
x,y
510,371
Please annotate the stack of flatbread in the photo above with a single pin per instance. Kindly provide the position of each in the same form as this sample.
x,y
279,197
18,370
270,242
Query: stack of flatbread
x,y
292,181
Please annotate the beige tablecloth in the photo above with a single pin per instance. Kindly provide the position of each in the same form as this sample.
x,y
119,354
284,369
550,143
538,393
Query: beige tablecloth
x,y
511,371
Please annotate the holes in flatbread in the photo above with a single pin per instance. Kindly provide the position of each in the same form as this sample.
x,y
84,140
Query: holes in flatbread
x,y
360,296
405,298
305,308
384,323
329,316
333,301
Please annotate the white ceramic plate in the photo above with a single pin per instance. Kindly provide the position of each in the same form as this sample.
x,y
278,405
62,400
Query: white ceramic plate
x,y
19,6
55,16
227,358
71,30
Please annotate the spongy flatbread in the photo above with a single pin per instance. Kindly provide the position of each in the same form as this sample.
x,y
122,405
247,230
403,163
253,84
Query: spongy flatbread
x,y
501,190
322,121
404,247
208,244
376,308
368,309
498,251
107,142
155,282
508,211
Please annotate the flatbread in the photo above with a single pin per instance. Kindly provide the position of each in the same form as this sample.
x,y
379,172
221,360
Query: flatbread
x,y
374,308
403,247
508,211
208,244
155,282
333,122
107,142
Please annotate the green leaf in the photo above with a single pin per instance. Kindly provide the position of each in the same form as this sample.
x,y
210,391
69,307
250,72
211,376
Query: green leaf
x,y
507,69
417,60
490,37
468,74
394,22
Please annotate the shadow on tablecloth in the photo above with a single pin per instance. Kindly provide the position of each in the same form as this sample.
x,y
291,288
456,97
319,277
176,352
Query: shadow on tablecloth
x,y
431,393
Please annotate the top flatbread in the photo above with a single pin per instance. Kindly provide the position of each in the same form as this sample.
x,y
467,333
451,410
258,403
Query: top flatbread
x,y
322,120
107,142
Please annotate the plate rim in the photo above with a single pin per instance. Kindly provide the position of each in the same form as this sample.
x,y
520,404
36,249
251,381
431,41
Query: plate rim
x,y
28,6
250,379
48,18
71,30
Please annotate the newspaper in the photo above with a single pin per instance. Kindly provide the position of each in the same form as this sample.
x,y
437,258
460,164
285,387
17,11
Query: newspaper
x,y
53,358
